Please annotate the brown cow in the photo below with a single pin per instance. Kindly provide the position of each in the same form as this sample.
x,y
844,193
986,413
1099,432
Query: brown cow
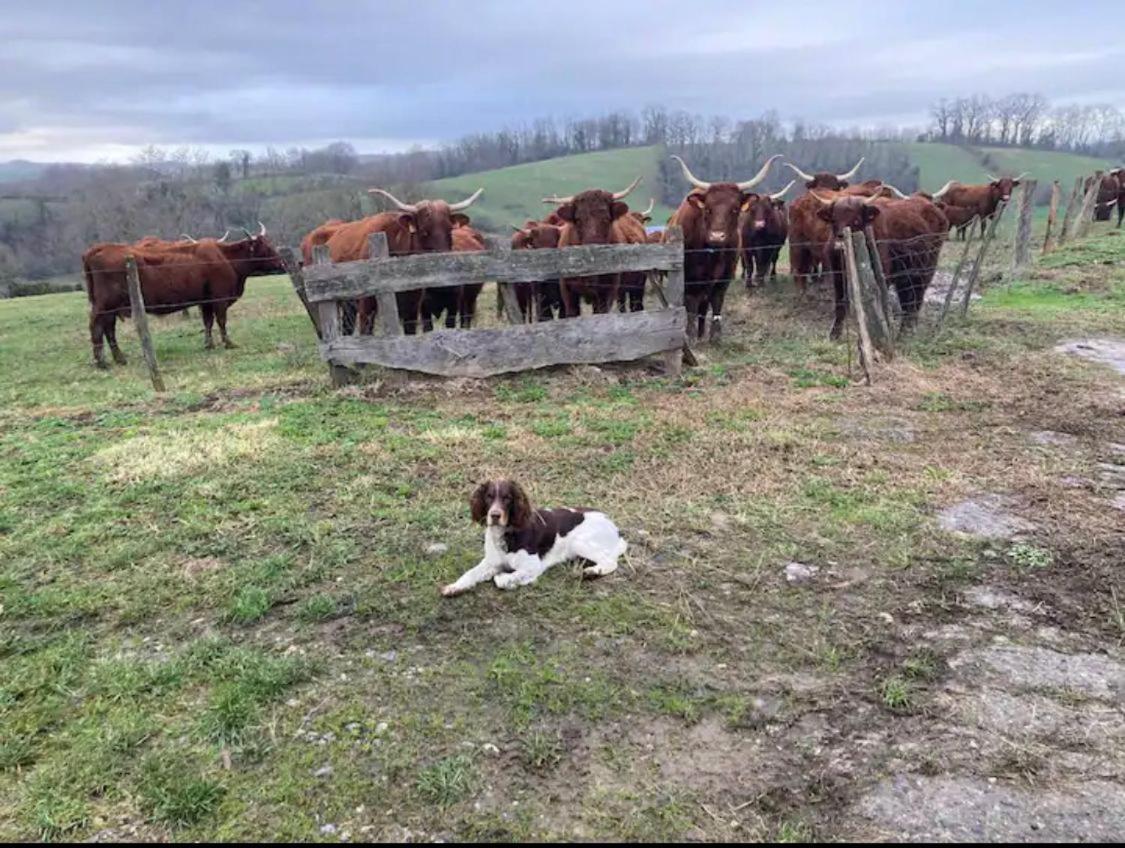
x,y
1119,173
1108,191
763,227
423,227
708,216
590,217
909,233
982,199
807,232
644,217
459,303
319,236
211,273
539,301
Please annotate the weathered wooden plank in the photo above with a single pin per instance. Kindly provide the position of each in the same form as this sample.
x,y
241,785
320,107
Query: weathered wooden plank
x,y
292,262
877,268
512,304
871,291
1052,214
389,320
1021,253
327,314
346,280
979,264
858,311
1089,202
484,353
1071,208
140,321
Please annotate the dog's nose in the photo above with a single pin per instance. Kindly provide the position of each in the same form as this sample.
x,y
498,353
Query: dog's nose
x,y
494,515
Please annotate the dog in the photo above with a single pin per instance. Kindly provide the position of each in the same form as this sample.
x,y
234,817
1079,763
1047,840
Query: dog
x,y
521,542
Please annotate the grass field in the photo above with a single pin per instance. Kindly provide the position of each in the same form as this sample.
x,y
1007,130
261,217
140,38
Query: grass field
x,y
219,618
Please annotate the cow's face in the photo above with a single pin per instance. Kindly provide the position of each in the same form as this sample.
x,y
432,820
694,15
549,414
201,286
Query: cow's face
x,y
535,235
592,214
846,212
719,207
1002,188
758,210
826,182
431,226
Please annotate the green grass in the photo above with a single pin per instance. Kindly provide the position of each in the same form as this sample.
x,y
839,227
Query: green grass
x,y
220,619
512,195
938,163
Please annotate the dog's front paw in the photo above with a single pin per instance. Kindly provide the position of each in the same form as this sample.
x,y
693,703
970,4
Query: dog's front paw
x,y
451,591
508,580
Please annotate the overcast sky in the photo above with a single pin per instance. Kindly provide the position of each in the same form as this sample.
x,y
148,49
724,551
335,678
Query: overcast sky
x,y
99,79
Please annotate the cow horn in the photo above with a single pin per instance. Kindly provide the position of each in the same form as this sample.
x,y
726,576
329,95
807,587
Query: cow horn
x,y
941,192
806,177
467,202
1021,176
187,238
249,235
619,195
405,207
648,211
516,228
689,176
783,192
224,236
761,175
895,191
554,198
823,202
991,178
849,174
261,229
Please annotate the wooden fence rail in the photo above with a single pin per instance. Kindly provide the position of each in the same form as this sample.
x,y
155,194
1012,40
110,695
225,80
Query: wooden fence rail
x,y
486,352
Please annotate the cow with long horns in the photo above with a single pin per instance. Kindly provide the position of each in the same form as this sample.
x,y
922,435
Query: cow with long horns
x,y
1108,190
708,217
908,232
807,232
459,303
422,227
595,216
763,227
982,199
540,300
173,275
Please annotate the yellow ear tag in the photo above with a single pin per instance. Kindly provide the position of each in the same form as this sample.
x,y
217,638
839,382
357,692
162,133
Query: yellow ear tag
x,y
746,206
413,228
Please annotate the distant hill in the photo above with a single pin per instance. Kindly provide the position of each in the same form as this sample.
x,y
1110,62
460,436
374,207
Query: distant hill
x,y
512,195
18,170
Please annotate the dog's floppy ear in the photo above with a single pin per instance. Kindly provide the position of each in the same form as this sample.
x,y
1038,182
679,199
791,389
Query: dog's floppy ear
x,y
477,503
520,514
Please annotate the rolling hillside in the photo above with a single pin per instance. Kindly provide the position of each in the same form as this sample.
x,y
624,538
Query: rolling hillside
x,y
512,194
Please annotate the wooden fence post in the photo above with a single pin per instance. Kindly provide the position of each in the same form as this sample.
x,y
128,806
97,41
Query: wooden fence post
x,y
979,264
390,323
292,264
1021,253
329,321
1052,213
140,321
953,282
1071,208
873,294
877,268
673,296
1089,202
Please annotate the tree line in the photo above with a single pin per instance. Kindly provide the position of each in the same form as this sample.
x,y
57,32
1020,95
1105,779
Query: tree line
x,y
1029,120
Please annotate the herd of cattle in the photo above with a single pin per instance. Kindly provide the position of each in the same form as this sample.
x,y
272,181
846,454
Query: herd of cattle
x,y
722,223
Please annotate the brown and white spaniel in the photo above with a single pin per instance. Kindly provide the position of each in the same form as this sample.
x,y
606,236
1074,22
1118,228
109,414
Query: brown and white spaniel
x,y
521,542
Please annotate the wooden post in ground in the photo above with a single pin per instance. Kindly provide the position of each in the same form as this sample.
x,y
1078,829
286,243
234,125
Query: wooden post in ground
x,y
328,318
673,296
1071,209
1052,213
953,282
140,321
979,263
292,262
872,292
855,298
390,323
1089,202
877,268
1021,252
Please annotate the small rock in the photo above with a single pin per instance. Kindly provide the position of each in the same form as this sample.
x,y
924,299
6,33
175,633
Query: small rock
x,y
381,728
388,656
323,771
436,549
1053,438
327,829
796,572
987,516
490,749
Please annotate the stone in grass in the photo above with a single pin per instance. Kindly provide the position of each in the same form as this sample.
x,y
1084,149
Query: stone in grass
x,y
436,549
1109,352
985,516
797,572
1053,439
